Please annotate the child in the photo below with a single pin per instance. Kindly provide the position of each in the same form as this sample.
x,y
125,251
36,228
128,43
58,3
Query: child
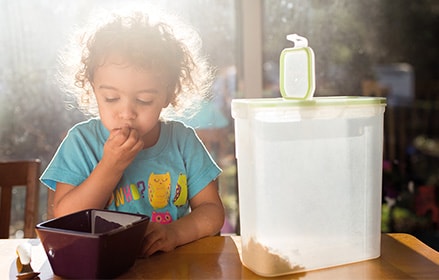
x,y
131,158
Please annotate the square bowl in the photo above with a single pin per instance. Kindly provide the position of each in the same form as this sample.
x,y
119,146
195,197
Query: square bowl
x,y
93,243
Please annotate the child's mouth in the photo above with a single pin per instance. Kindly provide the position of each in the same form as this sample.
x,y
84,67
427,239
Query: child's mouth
x,y
127,126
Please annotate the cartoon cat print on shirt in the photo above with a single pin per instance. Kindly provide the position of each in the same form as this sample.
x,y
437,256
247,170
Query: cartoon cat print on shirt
x,y
162,218
180,197
159,190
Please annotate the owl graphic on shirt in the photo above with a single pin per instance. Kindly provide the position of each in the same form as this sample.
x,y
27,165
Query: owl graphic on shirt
x,y
159,190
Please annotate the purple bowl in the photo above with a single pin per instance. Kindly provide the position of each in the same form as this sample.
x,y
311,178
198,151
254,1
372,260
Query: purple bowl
x,y
93,243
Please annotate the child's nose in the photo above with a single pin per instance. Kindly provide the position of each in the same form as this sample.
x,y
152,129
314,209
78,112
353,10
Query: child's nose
x,y
127,111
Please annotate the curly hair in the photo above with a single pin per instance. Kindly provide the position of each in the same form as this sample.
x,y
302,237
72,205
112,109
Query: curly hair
x,y
173,52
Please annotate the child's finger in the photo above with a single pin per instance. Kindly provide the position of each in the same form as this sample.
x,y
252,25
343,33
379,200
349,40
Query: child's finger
x,y
119,135
134,140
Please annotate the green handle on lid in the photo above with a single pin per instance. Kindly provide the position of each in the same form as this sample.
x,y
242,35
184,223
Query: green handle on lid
x,y
297,72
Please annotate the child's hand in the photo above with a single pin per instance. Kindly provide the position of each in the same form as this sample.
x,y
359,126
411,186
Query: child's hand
x,y
121,147
205,219
159,237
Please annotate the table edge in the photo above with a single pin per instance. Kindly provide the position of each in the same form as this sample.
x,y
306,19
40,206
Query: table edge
x,y
416,245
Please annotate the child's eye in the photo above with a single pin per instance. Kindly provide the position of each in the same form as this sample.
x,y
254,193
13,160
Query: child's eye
x,y
144,102
111,99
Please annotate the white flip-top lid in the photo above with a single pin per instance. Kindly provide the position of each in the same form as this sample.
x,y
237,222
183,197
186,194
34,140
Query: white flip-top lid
x,y
297,73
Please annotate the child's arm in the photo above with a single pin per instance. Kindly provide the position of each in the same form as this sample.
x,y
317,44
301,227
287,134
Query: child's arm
x,y
206,218
120,149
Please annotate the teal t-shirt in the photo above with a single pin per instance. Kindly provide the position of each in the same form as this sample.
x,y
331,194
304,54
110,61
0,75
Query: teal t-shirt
x,y
159,182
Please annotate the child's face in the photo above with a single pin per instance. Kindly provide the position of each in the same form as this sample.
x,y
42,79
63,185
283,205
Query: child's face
x,y
129,97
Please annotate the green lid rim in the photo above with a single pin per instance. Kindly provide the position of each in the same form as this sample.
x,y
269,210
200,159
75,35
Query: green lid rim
x,y
316,101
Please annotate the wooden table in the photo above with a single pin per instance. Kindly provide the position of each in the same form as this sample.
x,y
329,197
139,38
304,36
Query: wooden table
x,y
402,257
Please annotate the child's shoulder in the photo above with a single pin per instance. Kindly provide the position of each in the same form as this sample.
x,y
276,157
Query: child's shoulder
x,y
177,125
89,123
90,126
177,128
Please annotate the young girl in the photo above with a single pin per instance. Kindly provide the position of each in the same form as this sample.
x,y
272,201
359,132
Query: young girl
x,y
131,159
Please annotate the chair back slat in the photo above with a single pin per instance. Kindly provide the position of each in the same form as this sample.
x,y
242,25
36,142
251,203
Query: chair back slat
x,y
23,173
5,211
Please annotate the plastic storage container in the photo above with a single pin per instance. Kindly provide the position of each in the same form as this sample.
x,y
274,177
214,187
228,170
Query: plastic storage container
x,y
309,178
93,243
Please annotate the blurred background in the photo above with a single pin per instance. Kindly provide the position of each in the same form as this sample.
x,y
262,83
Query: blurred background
x,y
366,47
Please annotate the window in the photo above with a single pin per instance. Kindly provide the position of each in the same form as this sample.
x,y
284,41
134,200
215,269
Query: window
x,y
352,40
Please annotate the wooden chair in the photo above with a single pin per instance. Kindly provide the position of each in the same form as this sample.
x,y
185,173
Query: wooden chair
x,y
18,174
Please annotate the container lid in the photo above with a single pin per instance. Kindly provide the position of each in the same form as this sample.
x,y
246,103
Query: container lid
x,y
241,108
315,102
297,73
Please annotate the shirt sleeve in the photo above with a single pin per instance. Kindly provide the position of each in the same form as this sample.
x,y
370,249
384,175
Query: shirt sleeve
x,y
200,167
74,160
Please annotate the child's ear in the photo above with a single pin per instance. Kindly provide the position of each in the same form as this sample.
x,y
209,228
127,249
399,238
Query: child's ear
x,y
92,85
169,98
